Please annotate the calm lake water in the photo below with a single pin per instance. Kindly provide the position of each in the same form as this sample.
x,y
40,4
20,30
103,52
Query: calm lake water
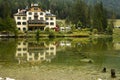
x,y
24,59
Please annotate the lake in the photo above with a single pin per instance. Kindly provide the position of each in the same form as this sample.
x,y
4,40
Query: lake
x,y
59,58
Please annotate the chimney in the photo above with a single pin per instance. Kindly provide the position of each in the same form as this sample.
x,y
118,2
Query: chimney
x,y
32,5
49,11
18,10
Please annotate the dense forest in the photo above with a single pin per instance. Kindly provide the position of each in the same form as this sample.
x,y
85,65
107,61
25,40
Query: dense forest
x,y
60,7
78,12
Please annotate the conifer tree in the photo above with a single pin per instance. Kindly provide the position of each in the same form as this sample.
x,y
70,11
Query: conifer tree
x,y
99,17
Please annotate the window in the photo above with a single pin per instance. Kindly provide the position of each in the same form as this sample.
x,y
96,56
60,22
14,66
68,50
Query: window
x,y
52,53
24,23
18,28
30,13
24,54
24,29
19,49
18,23
41,13
42,58
19,18
52,48
51,23
24,49
19,54
41,53
47,23
35,13
51,18
24,43
30,54
29,18
46,18
41,18
30,59
19,43
24,18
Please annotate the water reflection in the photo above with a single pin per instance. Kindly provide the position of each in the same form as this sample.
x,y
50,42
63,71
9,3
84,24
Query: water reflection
x,y
117,46
60,51
33,51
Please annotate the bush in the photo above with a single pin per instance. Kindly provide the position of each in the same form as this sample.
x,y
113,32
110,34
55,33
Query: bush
x,y
95,31
47,29
51,34
37,34
69,32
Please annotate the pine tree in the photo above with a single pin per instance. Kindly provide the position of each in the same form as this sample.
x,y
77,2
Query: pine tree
x,y
99,17
80,13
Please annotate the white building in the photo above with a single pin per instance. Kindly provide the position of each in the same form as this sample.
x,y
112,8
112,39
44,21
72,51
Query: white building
x,y
65,29
34,18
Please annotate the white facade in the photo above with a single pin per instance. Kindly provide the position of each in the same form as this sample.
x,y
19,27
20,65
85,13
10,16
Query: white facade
x,y
34,18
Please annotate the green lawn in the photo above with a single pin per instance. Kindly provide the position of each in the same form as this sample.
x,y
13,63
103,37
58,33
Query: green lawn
x,y
116,35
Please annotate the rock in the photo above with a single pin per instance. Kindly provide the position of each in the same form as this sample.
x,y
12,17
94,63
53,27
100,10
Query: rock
x,y
99,79
7,78
113,73
1,78
104,69
87,60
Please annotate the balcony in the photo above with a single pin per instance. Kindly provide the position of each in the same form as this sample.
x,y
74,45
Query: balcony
x,y
36,23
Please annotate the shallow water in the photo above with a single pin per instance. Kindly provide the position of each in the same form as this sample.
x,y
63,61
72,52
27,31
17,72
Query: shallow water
x,y
59,59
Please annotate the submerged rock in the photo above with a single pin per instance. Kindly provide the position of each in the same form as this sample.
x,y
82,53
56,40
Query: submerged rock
x,y
87,60
99,79
1,78
104,70
7,78
113,75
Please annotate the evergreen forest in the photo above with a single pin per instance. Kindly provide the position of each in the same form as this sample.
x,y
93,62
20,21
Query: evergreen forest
x,y
83,13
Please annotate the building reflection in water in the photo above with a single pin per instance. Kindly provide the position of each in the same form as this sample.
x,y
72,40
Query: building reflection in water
x,y
117,46
35,51
65,43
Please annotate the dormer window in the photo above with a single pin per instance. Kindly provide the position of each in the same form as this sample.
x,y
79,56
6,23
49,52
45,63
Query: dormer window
x,y
35,8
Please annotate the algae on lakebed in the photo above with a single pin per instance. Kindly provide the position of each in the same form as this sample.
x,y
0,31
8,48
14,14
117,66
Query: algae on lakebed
x,y
59,59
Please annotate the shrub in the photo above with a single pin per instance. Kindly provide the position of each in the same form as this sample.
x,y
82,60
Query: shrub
x,y
95,31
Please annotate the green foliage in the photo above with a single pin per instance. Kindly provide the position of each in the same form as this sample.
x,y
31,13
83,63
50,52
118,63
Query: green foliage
x,y
6,22
109,29
95,31
47,29
51,34
74,11
37,34
79,24
79,13
73,28
99,17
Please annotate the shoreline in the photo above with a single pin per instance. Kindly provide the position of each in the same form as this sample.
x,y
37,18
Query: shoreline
x,y
52,72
